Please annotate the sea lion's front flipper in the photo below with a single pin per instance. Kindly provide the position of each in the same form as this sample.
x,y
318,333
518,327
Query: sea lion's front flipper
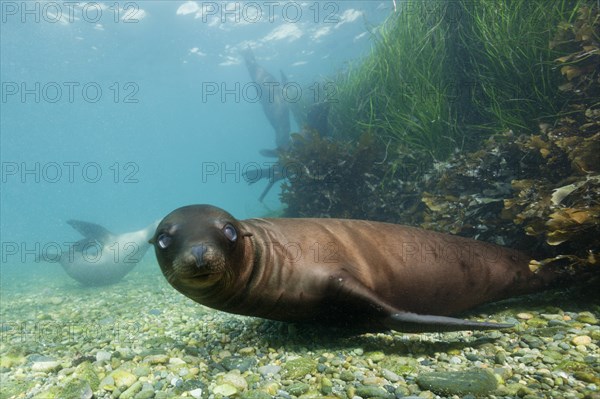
x,y
92,231
412,322
274,153
399,320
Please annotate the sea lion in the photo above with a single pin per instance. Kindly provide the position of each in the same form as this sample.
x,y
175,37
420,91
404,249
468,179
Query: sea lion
x,y
272,100
369,275
103,258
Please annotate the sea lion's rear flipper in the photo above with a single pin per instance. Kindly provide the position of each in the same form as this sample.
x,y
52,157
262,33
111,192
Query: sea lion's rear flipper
x,y
397,319
412,322
92,231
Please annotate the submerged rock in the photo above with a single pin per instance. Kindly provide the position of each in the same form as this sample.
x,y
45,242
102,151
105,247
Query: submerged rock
x,y
76,389
46,366
123,378
371,391
298,368
238,363
476,382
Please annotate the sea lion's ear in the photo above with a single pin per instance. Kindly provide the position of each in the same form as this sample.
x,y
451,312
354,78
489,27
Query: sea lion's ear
x,y
244,232
241,228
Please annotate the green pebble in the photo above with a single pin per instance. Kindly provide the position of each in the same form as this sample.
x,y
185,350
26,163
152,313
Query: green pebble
x,y
475,381
375,357
86,372
252,379
115,393
52,393
532,342
147,394
13,387
123,378
298,388
372,391
326,386
156,359
141,371
347,376
255,394
584,376
587,317
76,388
399,365
238,363
536,323
8,361
298,368
271,388
225,390
131,391
500,358
402,391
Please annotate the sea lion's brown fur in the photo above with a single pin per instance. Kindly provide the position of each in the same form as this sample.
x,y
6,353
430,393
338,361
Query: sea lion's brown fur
x,y
358,273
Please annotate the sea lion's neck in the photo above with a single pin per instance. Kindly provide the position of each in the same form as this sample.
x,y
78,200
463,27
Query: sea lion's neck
x,y
258,270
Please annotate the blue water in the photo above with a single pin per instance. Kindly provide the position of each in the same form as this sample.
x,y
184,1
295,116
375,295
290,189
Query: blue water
x,y
103,117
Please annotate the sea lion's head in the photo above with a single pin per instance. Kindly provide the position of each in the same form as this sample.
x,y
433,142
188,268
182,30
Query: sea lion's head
x,y
197,246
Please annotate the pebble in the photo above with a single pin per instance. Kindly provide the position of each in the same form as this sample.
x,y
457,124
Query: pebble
x,y
55,300
130,392
298,368
298,388
123,378
347,376
46,366
587,317
145,394
371,391
390,375
107,383
242,364
156,359
234,378
376,356
524,316
225,390
193,352
76,389
103,356
176,382
455,360
581,340
476,381
269,369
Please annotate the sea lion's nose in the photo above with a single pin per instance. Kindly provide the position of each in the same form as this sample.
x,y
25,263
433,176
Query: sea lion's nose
x,y
198,251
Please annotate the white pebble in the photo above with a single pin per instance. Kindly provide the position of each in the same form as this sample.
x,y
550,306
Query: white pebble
x,y
455,360
196,393
102,356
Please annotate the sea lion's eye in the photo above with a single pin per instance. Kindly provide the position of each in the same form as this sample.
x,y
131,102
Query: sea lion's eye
x,y
164,240
230,232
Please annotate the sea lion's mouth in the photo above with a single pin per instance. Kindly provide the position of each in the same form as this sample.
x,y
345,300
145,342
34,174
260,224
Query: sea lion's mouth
x,y
199,263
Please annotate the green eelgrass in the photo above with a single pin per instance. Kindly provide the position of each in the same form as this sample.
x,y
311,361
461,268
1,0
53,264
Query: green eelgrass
x,y
511,59
444,73
400,91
